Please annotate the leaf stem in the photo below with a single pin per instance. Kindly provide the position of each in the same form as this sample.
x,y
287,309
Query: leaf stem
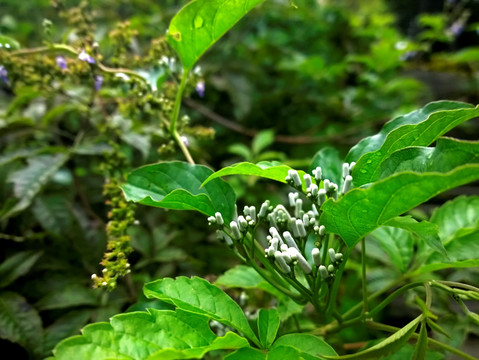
x,y
393,329
363,276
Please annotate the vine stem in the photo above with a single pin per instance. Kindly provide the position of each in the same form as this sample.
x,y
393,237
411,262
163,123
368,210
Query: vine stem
x,y
175,114
393,329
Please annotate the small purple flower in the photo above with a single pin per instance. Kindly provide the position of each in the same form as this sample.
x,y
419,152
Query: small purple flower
x,y
200,88
61,62
98,82
3,74
85,57
457,28
184,140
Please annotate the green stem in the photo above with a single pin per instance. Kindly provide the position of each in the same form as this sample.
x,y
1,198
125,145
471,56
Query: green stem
x,y
456,284
331,307
179,95
391,297
363,275
393,329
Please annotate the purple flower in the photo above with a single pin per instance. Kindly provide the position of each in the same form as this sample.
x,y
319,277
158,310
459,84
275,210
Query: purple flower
x,y
61,62
200,88
457,28
85,57
98,82
184,140
3,74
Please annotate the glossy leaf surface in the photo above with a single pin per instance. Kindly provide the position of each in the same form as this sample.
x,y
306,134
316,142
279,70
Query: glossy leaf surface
x,y
268,324
177,185
156,334
198,25
309,345
415,129
362,210
198,296
264,169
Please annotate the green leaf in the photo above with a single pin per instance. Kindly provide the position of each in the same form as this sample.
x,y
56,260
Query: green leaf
x,y
177,185
385,347
268,325
17,154
20,323
397,243
65,326
461,248
421,346
286,352
53,212
419,128
448,154
199,296
264,169
362,210
240,150
245,277
424,269
426,231
29,181
17,265
247,353
307,344
69,296
331,164
459,214
199,24
8,43
156,334
262,140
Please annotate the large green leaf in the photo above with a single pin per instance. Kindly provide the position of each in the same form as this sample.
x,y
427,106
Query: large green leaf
x,y
268,324
397,243
460,248
448,154
177,185
329,160
460,214
199,296
247,353
264,169
69,296
53,212
425,230
28,181
20,323
156,334
309,345
385,347
245,277
374,142
362,210
17,265
419,128
198,25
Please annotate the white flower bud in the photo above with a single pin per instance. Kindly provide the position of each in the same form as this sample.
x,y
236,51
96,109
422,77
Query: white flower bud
x,y
293,253
274,231
351,167
317,173
252,213
316,256
331,268
264,209
242,223
94,276
294,227
293,174
104,283
286,256
281,262
332,255
211,220
292,196
298,208
306,220
235,230
219,218
289,240
270,251
322,230
323,272
303,263
274,243
313,189
307,180
347,184
326,184
272,220
228,240
301,229
321,196
339,257
284,247
246,210
104,271
345,170
315,210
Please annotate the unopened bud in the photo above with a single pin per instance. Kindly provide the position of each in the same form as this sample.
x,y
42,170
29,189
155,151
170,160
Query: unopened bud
x,y
281,262
264,209
298,208
293,174
306,220
348,180
292,196
219,218
323,272
211,220
345,170
289,239
326,184
307,180
252,213
316,256
351,167
332,255
242,223
339,257
301,229
321,196
303,263
317,173
331,269
235,231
